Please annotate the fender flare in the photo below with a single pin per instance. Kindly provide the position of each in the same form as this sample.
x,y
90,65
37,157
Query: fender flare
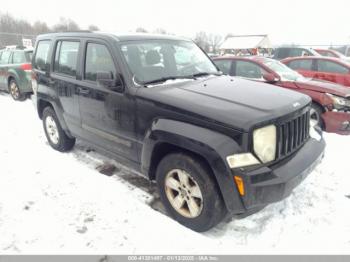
x,y
57,107
214,147
12,75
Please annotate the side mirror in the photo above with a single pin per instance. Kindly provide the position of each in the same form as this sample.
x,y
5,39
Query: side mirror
x,y
107,80
270,78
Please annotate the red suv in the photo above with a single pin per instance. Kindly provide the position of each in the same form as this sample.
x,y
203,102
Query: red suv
x,y
330,102
324,68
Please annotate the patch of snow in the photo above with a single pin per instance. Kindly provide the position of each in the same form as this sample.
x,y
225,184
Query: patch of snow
x,y
58,203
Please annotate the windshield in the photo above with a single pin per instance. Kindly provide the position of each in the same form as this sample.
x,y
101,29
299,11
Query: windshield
x,y
158,60
283,71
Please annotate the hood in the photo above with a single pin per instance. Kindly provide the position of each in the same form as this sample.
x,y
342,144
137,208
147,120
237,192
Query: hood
x,y
324,87
234,102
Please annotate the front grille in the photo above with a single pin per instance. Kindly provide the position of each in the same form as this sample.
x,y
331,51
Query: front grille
x,y
292,134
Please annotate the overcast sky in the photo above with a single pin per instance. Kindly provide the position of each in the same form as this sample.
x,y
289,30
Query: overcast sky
x,y
286,21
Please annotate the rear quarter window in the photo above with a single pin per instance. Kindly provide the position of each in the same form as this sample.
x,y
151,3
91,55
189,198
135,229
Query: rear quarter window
x,y
41,55
18,57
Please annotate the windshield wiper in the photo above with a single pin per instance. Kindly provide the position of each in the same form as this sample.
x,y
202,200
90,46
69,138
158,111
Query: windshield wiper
x,y
166,78
163,79
194,76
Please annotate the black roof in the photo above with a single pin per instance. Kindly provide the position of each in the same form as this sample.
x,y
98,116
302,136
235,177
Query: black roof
x,y
115,36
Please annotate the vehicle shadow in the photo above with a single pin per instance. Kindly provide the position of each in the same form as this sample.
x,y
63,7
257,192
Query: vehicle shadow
x,y
104,164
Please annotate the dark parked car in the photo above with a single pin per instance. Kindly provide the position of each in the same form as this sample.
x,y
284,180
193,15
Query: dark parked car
x,y
324,68
284,52
15,72
330,102
215,145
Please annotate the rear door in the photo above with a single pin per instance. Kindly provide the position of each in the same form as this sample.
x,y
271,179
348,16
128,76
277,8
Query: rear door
x,y
332,71
108,116
63,79
303,66
4,65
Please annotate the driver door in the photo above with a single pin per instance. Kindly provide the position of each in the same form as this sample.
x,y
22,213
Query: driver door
x,y
107,116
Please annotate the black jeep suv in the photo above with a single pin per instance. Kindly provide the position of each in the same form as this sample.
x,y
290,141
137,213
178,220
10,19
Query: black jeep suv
x,y
216,145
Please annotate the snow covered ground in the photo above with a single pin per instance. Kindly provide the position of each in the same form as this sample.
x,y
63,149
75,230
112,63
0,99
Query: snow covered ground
x,y
55,203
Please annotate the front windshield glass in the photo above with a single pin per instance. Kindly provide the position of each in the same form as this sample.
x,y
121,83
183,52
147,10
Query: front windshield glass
x,y
158,60
282,70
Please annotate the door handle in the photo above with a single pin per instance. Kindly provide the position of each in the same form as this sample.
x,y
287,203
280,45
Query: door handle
x,y
84,91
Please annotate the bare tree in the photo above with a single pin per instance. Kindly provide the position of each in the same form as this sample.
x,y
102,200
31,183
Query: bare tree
x,y
160,31
214,42
94,28
40,28
65,24
202,40
141,30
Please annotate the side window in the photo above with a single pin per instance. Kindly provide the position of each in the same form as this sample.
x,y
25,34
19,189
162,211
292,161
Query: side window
x,y
66,57
41,55
249,70
295,52
332,67
224,66
98,59
5,57
18,58
282,53
301,64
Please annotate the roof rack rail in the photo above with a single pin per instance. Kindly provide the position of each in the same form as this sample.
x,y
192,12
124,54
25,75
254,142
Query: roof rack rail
x,y
75,31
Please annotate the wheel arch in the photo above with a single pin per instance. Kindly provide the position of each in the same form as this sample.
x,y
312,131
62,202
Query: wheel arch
x,y
166,136
45,101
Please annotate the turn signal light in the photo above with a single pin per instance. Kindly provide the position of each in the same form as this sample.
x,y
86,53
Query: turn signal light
x,y
240,185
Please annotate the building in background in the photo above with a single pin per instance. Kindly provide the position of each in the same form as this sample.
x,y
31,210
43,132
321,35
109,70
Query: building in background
x,y
247,45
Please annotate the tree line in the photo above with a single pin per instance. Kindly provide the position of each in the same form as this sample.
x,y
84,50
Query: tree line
x,y
12,30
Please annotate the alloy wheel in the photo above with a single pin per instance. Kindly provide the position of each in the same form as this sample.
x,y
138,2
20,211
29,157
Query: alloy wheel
x,y
14,90
52,130
183,193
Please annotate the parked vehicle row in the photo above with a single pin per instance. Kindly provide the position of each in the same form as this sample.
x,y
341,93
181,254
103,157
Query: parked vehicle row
x,y
330,107
217,146
323,68
15,72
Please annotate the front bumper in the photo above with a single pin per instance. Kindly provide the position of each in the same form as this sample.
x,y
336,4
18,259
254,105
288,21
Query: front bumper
x,y
337,122
271,184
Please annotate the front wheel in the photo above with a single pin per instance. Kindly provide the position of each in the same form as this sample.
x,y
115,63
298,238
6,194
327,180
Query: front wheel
x,y
55,135
189,192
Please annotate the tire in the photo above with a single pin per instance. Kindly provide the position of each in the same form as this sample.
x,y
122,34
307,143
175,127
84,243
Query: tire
x,y
55,135
316,115
15,91
210,207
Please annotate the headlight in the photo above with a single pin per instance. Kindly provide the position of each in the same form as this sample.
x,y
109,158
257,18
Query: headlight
x,y
264,140
241,160
339,102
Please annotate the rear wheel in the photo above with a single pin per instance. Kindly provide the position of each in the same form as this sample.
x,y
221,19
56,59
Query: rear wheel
x,y
316,115
55,135
189,192
15,91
